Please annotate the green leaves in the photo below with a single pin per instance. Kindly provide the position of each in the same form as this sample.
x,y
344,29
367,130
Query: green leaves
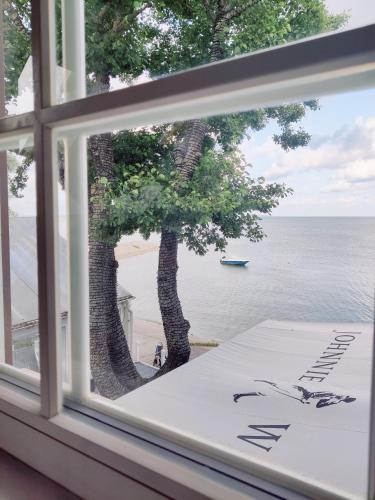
x,y
125,38
17,42
221,201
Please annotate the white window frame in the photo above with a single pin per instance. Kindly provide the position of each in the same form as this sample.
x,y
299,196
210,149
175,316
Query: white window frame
x,y
143,460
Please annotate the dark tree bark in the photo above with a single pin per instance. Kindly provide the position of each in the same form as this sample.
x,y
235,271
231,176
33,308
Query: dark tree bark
x,y
176,327
111,364
187,154
112,367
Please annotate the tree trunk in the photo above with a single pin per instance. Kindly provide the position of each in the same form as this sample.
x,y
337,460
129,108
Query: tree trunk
x,y
189,149
112,367
176,327
187,155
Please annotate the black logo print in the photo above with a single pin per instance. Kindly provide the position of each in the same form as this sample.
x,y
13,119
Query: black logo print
x,y
264,435
321,398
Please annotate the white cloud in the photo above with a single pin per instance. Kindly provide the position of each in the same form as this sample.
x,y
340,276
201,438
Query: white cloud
x,y
349,153
349,200
359,171
338,186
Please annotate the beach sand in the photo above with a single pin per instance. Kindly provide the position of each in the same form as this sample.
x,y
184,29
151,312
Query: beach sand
x,y
148,333
126,249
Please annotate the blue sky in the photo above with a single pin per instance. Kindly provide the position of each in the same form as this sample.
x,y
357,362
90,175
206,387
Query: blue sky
x,y
335,174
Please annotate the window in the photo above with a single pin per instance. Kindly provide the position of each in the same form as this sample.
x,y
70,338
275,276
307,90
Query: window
x,y
164,40
23,336
82,214
309,272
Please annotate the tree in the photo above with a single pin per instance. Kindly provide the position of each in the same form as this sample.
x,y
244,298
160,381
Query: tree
x,y
186,180
218,201
194,33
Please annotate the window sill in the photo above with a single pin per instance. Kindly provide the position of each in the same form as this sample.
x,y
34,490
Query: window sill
x,y
17,480
94,460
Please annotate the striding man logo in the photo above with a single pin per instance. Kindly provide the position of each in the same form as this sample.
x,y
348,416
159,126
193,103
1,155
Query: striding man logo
x,y
321,399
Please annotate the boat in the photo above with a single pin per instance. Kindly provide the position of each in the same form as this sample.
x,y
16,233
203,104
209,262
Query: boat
x,y
233,261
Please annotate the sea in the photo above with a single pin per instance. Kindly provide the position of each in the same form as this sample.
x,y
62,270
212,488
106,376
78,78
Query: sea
x,y
318,269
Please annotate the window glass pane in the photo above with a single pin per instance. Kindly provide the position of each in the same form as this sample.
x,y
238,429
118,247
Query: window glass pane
x,y
253,349
63,267
132,42
15,58
19,337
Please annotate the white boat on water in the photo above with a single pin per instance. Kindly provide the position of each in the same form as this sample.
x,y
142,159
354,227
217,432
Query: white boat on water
x,y
233,261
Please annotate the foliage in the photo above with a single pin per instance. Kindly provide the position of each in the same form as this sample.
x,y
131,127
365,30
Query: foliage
x,y
117,39
221,201
18,170
17,42
128,38
187,35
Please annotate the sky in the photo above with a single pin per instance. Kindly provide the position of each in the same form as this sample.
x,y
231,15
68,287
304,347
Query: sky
x,y
361,12
335,174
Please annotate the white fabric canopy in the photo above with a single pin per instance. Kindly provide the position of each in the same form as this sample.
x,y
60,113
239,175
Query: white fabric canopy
x,y
308,382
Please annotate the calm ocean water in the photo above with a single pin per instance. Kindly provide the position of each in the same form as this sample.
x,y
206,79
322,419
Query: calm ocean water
x,y
307,269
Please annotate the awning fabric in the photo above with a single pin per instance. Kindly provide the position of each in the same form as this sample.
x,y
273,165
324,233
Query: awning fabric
x,y
290,397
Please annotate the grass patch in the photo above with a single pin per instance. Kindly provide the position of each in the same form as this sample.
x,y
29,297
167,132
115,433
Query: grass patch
x,y
209,343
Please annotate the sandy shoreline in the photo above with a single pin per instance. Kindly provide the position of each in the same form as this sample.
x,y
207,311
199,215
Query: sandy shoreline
x,y
127,249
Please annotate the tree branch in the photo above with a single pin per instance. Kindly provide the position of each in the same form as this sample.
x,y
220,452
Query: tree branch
x,y
223,16
119,25
231,13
